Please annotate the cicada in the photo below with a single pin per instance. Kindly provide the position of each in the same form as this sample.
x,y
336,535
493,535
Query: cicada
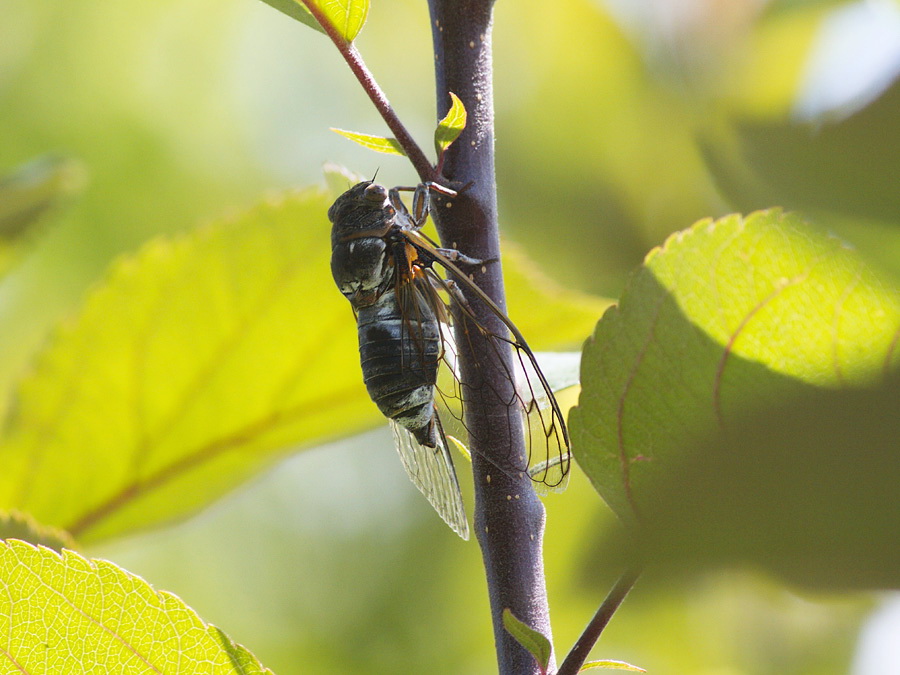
x,y
389,271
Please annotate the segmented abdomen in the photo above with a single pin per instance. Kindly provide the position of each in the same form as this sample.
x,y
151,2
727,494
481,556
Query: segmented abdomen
x,y
400,359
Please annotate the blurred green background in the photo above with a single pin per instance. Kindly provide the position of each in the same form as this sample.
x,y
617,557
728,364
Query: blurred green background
x,y
618,122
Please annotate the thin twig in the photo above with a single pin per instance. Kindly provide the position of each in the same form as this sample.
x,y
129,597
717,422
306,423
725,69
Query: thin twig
x,y
580,651
416,156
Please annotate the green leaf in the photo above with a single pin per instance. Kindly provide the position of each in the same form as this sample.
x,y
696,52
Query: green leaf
x,y
535,642
388,146
346,16
192,367
449,128
724,317
64,613
612,665
296,10
15,525
805,489
731,409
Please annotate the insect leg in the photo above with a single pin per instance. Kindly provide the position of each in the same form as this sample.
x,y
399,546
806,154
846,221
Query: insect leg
x,y
453,290
397,203
420,202
420,205
459,257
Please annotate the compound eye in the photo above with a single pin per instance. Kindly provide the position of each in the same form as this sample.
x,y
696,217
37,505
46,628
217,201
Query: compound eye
x,y
375,193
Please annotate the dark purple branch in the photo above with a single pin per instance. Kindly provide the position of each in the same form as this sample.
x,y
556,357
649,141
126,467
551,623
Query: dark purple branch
x,y
419,160
509,518
591,634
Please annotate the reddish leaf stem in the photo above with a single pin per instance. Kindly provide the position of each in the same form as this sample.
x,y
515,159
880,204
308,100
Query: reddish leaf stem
x,y
348,51
591,634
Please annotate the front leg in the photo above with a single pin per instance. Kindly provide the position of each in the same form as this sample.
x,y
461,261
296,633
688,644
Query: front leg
x,y
420,206
420,202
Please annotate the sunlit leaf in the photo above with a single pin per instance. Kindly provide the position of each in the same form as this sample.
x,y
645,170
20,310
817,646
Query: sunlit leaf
x,y
611,665
64,614
750,314
193,366
296,10
536,643
15,525
346,16
388,146
449,128
725,316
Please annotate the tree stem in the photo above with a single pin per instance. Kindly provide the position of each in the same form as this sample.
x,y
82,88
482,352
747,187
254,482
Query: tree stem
x,y
591,634
509,518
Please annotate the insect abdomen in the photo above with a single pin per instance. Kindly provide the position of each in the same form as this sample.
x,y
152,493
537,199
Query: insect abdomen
x,y
400,359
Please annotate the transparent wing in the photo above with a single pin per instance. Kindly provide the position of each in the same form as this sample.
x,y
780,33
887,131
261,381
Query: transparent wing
x,y
431,470
548,457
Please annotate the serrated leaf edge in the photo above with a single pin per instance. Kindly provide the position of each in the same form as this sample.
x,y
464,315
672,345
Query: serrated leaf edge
x,y
46,533
98,565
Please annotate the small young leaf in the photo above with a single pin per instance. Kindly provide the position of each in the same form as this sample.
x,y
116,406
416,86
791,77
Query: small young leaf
x,y
64,613
388,146
460,446
296,10
16,525
449,128
611,665
535,642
